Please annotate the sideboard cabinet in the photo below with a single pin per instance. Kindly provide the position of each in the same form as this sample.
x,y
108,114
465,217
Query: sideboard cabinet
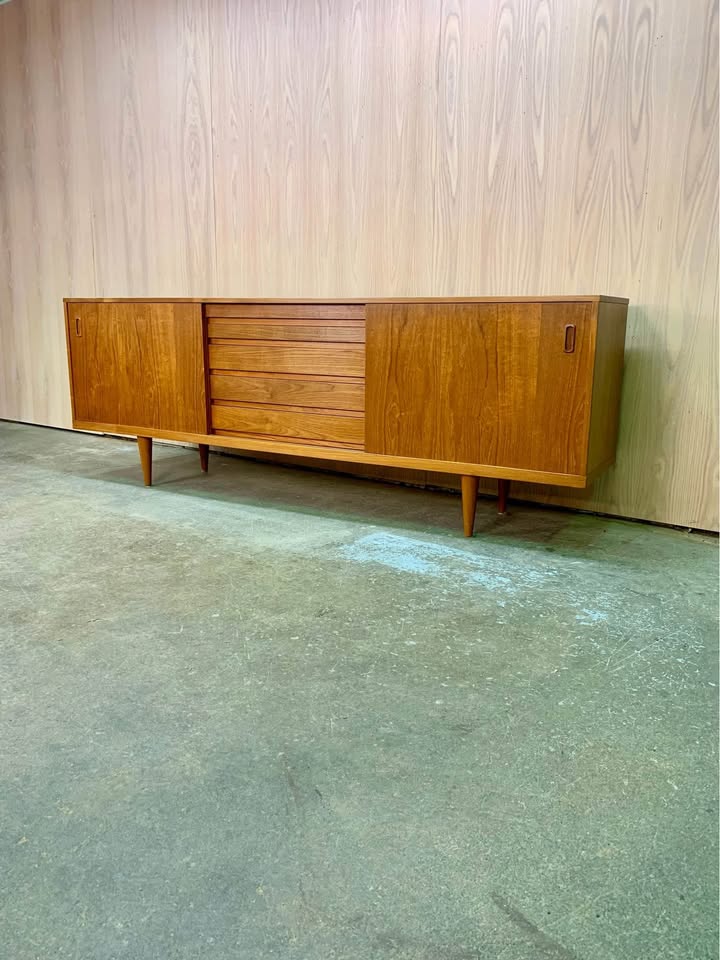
x,y
508,388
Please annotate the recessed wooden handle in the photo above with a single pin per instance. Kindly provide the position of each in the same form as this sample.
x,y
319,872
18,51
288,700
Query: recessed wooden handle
x,y
570,338
77,327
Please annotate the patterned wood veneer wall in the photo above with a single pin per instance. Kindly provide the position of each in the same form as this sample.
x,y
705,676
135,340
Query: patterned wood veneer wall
x,y
352,148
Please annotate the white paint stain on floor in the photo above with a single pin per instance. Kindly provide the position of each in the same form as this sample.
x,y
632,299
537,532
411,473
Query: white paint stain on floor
x,y
625,634
408,555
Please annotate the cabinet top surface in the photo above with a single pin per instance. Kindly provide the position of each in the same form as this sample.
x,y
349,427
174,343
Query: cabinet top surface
x,y
580,298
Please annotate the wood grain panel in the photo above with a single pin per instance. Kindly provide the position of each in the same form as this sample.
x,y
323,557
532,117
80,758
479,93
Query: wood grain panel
x,y
431,381
486,383
544,393
249,441
286,423
286,330
340,360
138,363
287,311
335,394
46,242
504,147
148,92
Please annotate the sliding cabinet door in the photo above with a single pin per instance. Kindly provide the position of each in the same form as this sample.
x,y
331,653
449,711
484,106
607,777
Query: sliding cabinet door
x,y
502,384
431,381
138,365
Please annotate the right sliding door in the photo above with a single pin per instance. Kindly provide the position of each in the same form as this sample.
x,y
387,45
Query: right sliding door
x,y
502,384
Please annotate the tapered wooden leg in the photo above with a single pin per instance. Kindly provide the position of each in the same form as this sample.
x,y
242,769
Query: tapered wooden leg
x,y
204,451
469,503
503,489
145,448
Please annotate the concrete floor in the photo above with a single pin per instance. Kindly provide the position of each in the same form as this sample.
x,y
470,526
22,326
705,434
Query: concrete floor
x,y
273,713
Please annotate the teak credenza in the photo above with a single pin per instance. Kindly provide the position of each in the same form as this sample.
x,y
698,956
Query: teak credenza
x,y
512,388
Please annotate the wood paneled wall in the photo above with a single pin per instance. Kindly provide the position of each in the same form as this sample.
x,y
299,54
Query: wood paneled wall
x,y
353,147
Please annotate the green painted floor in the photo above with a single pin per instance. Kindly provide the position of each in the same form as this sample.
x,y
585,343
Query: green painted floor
x,y
274,713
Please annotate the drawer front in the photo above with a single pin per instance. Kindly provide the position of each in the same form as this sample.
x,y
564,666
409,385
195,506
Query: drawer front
x,y
347,430
289,391
265,356
288,311
332,331
290,372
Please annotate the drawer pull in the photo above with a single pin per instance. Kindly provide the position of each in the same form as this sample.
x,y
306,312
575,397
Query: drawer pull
x,y
77,327
569,338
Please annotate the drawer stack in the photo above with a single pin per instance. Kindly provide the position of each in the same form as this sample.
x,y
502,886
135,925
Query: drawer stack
x,y
293,372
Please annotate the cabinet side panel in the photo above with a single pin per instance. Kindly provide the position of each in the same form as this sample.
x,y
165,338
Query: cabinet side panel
x,y
69,359
607,384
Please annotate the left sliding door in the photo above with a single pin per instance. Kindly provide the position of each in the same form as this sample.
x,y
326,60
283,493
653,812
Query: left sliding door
x,y
137,365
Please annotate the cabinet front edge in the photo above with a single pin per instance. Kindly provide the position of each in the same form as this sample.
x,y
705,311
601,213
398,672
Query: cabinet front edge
x,y
579,298
340,454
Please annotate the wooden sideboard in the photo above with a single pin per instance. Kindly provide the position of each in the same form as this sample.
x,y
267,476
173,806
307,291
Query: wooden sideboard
x,y
512,388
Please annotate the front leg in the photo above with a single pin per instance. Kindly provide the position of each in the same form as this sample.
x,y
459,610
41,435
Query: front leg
x,y
145,448
503,490
469,489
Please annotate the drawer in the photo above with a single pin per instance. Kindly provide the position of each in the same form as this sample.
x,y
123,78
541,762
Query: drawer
x,y
287,311
266,356
332,331
289,391
287,424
